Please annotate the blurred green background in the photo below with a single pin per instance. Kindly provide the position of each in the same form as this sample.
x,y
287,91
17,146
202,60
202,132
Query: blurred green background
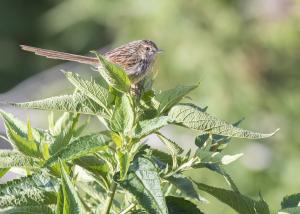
x,y
246,55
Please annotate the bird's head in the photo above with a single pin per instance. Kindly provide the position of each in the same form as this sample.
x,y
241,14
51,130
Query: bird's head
x,y
148,49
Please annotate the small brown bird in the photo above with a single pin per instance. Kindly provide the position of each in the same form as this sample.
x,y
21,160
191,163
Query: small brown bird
x,y
136,57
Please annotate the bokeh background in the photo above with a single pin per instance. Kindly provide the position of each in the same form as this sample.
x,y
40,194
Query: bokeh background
x,y
245,54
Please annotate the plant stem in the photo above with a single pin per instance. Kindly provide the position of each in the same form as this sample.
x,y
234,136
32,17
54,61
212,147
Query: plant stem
x,y
169,190
126,210
110,197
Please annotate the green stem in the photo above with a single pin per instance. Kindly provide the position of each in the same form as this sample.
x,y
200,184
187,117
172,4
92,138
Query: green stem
x,y
109,199
128,208
169,190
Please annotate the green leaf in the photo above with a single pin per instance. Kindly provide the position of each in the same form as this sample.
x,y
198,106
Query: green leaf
x,y
184,184
216,157
60,201
201,140
213,142
80,128
114,75
60,124
168,98
3,171
124,163
123,116
17,132
178,205
117,139
193,117
293,210
9,158
235,200
76,103
172,146
28,210
71,202
29,131
65,133
32,190
218,169
94,165
91,89
20,127
144,183
291,201
80,147
290,204
161,157
89,195
220,139
147,127
22,144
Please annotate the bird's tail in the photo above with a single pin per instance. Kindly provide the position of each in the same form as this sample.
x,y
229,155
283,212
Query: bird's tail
x,y
61,55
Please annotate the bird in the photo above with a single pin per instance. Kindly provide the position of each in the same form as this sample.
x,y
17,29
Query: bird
x,y
136,57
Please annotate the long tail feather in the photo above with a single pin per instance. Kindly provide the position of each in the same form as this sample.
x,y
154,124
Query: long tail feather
x,y
61,55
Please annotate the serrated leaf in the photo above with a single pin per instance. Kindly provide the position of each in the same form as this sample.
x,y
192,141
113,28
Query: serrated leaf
x,y
172,146
91,89
178,205
94,165
291,201
28,210
71,202
65,133
166,99
59,125
237,201
89,195
9,158
147,127
22,144
219,142
193,117
218,169
81,146
114,75
20,127
184,184
28,191
213,142
17,132
224,139
143,183
109,157
75,103
161,157
80,128
123,117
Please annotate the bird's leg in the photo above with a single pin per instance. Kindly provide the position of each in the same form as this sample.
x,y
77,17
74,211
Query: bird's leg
x,y
136,90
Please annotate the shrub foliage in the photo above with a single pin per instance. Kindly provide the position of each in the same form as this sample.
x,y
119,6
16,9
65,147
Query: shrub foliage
x,y
113,170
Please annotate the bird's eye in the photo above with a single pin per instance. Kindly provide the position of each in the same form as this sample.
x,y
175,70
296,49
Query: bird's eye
x,y
147,48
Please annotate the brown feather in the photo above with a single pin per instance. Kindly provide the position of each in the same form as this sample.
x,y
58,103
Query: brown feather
x,y
61,55
134,57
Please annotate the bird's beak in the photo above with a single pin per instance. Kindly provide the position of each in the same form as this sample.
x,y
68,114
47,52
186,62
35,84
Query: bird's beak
x,y
159,50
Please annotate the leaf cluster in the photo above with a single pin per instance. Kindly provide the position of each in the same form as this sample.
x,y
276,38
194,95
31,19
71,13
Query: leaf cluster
x,y
113,170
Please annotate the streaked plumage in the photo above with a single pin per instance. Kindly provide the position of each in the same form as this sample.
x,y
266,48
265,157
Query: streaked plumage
x,y
136,57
